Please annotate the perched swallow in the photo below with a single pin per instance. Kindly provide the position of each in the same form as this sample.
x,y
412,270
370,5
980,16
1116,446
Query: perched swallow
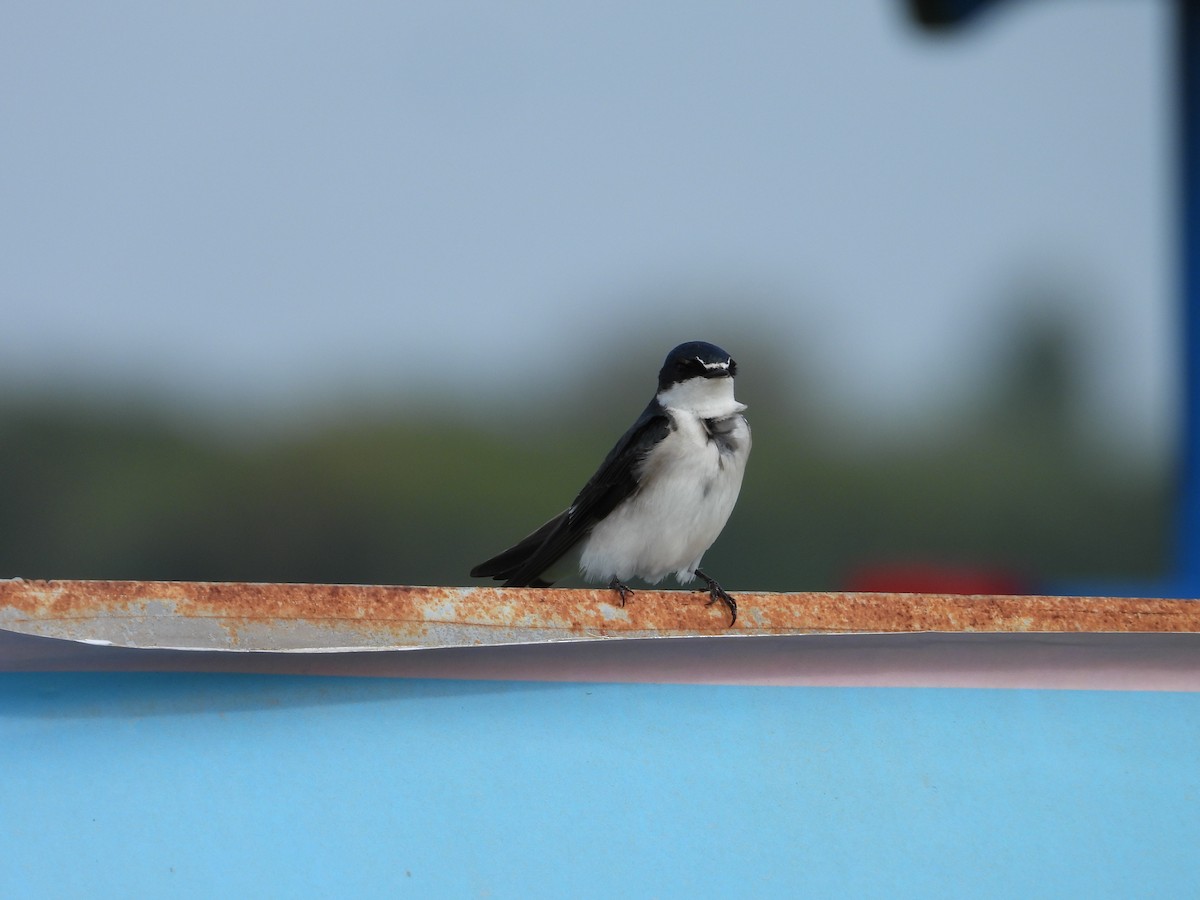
x,y
661,496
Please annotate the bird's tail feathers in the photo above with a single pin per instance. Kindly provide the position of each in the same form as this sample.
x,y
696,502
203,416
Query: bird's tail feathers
x,y
505,565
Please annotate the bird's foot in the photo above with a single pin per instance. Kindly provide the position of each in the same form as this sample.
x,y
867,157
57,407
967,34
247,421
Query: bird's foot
x,y
715,593
623,590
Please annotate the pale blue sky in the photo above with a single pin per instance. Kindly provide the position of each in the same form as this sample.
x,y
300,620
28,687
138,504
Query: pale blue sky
x,y
268,204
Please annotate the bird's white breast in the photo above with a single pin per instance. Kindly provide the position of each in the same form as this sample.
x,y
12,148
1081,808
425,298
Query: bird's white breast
x,y
688,485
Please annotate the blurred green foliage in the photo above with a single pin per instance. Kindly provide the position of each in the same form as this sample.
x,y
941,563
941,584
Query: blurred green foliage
x,y
419,497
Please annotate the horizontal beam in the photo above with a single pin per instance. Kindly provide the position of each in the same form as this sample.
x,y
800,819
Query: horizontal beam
x,y
331,618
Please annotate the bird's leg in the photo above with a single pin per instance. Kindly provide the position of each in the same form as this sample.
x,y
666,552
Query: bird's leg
x,y
623,589
715,593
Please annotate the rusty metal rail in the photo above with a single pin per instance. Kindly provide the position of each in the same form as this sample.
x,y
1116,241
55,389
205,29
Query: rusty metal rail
x,y
331,618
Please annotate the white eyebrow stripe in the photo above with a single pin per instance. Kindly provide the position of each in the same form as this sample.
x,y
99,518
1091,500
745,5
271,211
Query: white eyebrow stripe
x,y
717,365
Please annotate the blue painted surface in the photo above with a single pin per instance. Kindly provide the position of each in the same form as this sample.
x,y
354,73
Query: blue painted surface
x,y
201,785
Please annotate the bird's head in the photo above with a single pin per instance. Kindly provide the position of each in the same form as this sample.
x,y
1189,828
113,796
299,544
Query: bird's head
x,y
698,376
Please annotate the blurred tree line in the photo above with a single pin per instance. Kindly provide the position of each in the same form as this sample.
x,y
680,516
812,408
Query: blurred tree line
x,y
99,490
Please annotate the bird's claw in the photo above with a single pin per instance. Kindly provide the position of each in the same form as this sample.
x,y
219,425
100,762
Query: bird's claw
x,y
715,593
623,590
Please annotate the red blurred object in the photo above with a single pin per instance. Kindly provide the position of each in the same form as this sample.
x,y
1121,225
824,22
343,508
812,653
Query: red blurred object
x,y
921,578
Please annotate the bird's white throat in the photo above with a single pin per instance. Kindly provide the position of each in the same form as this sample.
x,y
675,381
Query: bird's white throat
x,y
708,398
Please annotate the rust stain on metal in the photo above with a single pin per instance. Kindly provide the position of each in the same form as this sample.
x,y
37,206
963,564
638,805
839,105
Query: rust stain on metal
x,y
402,612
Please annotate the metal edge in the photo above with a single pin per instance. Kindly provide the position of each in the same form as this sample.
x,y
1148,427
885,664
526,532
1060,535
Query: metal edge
x,y
341,618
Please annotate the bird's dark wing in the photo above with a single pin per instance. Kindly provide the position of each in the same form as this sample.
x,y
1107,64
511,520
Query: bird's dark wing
x,y
616,479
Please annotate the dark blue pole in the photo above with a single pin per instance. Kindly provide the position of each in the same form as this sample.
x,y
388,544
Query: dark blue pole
x,y
1188,169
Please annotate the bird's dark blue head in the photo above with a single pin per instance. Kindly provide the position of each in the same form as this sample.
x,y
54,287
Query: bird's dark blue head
x,y
695,359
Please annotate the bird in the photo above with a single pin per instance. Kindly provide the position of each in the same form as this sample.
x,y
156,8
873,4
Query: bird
x,y
661,496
